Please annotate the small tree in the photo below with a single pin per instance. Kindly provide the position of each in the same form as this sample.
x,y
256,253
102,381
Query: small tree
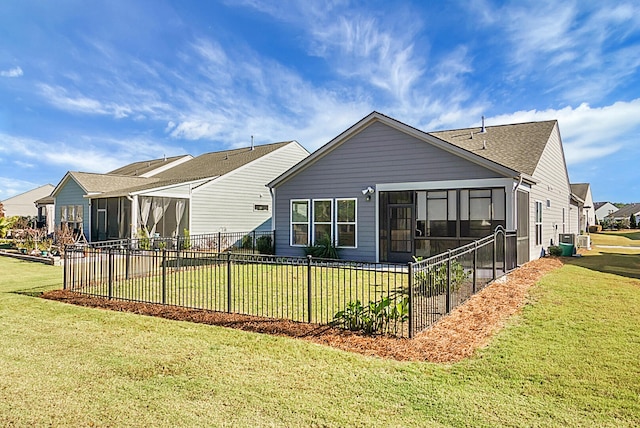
x,y
632,222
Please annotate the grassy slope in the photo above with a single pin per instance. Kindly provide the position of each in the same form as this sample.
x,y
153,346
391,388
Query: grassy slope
x,y
572,359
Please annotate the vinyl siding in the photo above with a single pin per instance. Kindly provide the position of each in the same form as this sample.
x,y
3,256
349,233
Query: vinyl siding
x,y
378,154
553,185
178,191
72,194
24,204
227,203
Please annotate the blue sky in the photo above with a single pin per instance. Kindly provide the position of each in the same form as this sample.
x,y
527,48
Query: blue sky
x,y
91,86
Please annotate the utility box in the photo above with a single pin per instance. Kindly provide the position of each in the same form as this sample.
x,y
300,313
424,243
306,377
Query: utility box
x,y
568,238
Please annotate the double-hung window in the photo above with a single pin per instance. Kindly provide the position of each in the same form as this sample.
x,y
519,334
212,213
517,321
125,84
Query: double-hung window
x,y
538,223
322,220
346,223
300,222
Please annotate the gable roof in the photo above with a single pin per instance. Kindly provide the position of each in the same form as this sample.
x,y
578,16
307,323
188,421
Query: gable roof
x,y
517,146
626,211
147,167
92,183
597,205
215,164
206,166
580,190
36,193
512,150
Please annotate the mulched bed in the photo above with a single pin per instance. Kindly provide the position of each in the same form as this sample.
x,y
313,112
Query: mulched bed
x,y
453,338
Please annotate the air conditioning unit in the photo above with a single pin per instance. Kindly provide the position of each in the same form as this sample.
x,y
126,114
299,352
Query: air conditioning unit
x,y
567,238
584,241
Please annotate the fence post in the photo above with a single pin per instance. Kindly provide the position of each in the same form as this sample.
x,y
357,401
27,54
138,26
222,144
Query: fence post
x,y
228,281
410,281
110,267
253,242
309,306
448,301
164,276
475,266
504,252
219,242
65,269
127,261
273,241
495,256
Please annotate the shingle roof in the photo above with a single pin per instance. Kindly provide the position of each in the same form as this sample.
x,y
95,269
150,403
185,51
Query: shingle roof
x,y
517,146
580,190
626,211
215,164
208,165
142,167
99,183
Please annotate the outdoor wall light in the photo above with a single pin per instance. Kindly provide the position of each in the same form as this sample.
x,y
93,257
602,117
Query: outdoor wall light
x,y
367,192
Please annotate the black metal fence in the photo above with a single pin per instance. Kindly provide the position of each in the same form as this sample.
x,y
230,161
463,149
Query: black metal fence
x,y
237,242
375,297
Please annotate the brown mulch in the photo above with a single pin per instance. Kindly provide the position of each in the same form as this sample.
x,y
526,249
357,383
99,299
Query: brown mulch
x,y
456,336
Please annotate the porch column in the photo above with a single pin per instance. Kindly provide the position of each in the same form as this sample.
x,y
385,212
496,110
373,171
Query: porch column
x,y
134,216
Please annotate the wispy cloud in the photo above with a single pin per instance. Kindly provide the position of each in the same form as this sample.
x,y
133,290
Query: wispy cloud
x,y
588,133
13,72
570,45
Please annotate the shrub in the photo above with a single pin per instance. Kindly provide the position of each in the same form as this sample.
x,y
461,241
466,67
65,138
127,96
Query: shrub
x,y
595,228
380,316
247,242
264,244
186,240
143,239
433,281
323,248
555,251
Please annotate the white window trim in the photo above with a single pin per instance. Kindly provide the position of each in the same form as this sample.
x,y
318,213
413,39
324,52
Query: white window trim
x,y
291,223
313,220
355,223
541,222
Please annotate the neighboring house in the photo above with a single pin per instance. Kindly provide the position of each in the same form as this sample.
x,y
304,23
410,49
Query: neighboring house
x,y
586,214
385,191
625,212
46,214
604,209
219,191
23,204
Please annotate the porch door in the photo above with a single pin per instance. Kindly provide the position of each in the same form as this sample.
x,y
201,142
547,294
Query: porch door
x,y
523,227
400,233
102,224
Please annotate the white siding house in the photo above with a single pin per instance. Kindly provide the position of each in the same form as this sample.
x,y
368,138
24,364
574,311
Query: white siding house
x,y
213,192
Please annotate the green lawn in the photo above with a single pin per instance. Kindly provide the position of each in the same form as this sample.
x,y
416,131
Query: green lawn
x,y
572,358
623,238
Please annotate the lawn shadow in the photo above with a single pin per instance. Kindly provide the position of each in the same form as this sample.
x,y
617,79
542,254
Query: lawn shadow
x,y
614,263
32,292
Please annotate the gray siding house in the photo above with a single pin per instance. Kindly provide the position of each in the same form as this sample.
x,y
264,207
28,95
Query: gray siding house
x,y
385,191
219,191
